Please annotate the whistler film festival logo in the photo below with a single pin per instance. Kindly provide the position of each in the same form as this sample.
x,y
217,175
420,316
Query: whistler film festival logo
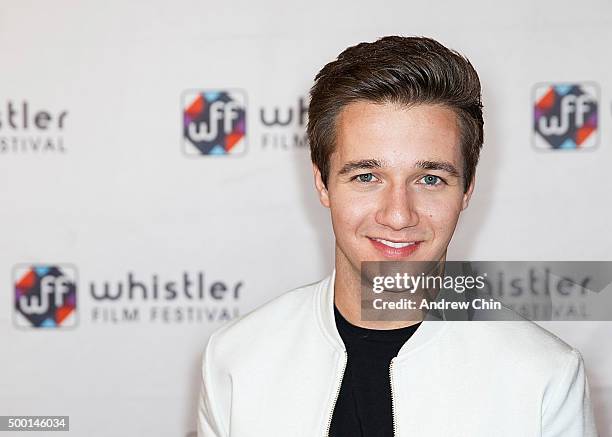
x,y
28,129
214,122
565,116
45,296
191,297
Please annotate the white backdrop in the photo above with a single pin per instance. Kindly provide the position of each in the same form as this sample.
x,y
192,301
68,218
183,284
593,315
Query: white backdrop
x,y
114,198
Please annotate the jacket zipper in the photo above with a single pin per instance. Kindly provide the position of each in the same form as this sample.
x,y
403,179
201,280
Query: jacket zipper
x,y
392,400
331,413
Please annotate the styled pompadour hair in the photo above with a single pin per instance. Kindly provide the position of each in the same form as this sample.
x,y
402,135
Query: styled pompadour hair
x,y
399,70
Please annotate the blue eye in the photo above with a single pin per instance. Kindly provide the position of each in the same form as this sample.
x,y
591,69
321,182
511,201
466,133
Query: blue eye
x,y
432,180
365,177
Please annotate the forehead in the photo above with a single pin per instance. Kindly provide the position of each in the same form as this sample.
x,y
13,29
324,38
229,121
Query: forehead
x,y
396,134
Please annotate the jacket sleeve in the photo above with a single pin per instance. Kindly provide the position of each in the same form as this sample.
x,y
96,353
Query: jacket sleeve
x,y
568,411
209,424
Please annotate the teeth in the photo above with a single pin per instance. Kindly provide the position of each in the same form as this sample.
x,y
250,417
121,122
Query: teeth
x,y
393,244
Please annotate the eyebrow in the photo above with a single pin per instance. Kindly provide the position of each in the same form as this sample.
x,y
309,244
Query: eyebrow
x,y
438,165
363,164
369,164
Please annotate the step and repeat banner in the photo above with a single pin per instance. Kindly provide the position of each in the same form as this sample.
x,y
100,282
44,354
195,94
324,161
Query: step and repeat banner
x,y
156,183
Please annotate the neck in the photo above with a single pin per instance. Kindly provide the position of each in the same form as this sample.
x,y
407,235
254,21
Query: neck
x,y
347,297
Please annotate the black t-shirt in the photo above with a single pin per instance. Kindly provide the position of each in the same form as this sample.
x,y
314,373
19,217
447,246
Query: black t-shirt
x,y
364,407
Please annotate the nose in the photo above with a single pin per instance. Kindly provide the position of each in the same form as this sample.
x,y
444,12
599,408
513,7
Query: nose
x,y
397,209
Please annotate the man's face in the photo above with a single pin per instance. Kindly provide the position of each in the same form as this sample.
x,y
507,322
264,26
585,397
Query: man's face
x,y
395,186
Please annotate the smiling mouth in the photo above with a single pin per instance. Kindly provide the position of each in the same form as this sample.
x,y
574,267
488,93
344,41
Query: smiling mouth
x,y
395,244
394,250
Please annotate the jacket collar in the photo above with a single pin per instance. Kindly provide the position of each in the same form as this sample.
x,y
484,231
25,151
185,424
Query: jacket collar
x,y
429,330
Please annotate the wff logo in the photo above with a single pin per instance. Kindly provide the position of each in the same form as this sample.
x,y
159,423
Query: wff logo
x,y
45,296
214,122
565,116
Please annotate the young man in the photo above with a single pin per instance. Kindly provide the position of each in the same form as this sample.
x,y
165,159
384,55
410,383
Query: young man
x,y
395,129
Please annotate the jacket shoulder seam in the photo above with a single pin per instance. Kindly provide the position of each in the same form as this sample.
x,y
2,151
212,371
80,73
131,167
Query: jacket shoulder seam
x,y
208,375
565,376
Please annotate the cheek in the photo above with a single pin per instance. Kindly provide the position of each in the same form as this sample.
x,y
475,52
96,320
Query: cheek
x,y
441,215
346,213
350,211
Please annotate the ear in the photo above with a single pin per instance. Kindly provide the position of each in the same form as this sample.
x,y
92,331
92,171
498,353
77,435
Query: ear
x,y
320,186
468,194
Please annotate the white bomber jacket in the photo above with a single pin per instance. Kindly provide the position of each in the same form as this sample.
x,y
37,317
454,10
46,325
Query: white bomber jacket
x,y
277,372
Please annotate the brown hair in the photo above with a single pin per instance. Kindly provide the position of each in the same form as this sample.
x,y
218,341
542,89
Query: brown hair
x,y
398,70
